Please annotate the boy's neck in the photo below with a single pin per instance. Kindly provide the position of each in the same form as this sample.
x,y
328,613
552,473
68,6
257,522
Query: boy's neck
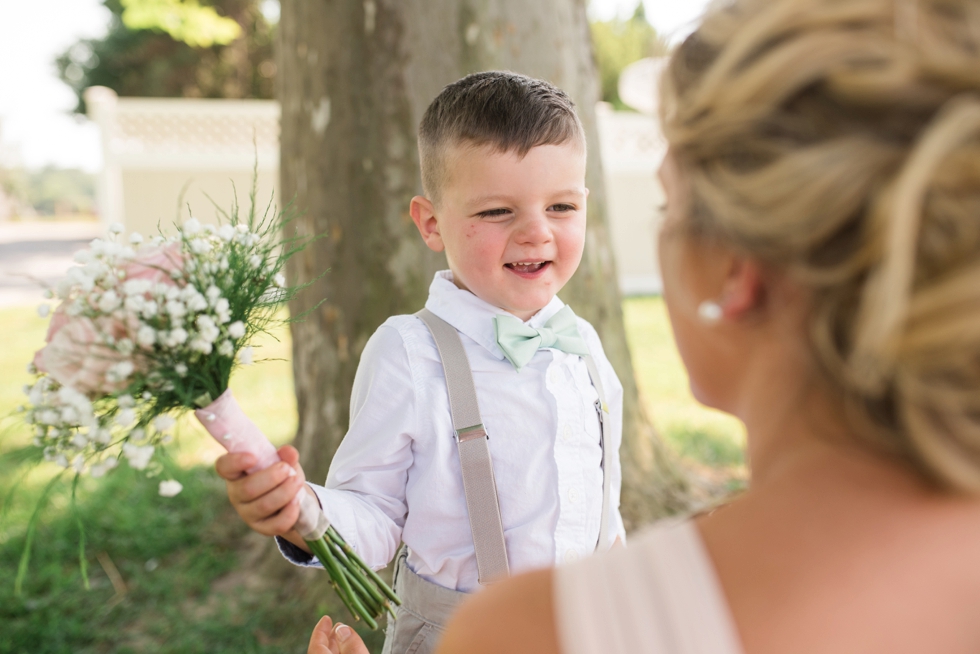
x,y
523,316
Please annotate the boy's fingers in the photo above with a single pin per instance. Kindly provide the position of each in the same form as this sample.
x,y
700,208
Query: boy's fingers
x,y
289,454
253,486
276,499
232,466
279,523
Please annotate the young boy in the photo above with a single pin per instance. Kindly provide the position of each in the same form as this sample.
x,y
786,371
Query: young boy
x,y
503,170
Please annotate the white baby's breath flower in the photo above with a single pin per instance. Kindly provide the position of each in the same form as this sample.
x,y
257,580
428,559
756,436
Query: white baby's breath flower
x,y
62,460
197,303
99,469
43,310
79,440
200,246
226,348
191,226
69,416
146,336
242,228
200,345
147,395
83,256
125,417
181,369
134,303
109,301
125,346
102,436
176,309
138,455
137,286
226,232
207,329
254,261
177,337
79,464
135,238
31,368
120,371
48,293
222,310
236,329
163,423
170,487
116,228
245,356
149,309
279,280
126,401
210,229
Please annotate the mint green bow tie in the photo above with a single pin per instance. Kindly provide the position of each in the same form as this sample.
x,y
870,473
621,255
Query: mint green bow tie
x,y
520,342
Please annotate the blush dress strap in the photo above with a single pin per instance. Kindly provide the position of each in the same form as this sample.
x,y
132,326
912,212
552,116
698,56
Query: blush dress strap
x,y
660,595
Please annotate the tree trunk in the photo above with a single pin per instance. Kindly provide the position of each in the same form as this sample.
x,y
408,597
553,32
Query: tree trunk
x,y
355,77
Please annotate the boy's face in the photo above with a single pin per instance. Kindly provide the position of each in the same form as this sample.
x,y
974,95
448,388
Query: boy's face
x,y
513,228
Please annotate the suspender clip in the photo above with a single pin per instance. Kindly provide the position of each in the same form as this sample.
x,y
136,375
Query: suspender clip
x,y
471,433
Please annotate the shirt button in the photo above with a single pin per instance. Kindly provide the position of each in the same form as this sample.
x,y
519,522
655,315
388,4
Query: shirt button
x,y
570,556
553,375
566,434
573,495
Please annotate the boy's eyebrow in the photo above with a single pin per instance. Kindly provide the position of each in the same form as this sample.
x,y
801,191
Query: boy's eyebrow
x,y
485,199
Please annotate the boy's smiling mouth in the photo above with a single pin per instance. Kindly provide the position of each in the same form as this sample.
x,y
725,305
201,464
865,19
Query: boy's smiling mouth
x,y
527,268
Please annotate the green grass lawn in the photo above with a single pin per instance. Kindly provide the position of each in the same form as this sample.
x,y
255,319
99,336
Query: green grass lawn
x,y
159,567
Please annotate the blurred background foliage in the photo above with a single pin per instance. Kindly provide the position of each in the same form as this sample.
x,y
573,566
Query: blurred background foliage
x,y
49,192
617,43
167,48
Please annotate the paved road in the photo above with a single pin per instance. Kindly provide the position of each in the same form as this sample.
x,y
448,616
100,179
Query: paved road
x,y
37,253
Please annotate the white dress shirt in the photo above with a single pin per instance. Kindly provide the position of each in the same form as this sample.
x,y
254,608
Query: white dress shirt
x,y
396,476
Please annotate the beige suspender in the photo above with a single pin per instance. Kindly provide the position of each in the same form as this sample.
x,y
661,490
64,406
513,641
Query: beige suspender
x,y
479,484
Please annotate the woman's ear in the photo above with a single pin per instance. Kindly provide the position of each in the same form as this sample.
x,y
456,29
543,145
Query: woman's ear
x,y
743,290
424,216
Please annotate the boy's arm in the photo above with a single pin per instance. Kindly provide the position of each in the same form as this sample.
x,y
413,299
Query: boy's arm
x,y
365,495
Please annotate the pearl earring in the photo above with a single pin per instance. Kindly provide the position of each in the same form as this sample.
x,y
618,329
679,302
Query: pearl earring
x,y
710,312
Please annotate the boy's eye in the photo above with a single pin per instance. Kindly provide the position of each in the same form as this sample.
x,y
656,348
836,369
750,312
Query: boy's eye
x,y
494,213
561,207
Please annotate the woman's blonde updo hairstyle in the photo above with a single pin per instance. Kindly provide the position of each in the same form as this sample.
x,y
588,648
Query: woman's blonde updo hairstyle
x,y
839,140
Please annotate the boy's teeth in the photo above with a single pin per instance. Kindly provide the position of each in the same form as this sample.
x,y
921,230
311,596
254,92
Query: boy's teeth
x,y
527,266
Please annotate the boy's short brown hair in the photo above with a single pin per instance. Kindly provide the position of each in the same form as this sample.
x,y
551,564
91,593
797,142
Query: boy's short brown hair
x,y
505,111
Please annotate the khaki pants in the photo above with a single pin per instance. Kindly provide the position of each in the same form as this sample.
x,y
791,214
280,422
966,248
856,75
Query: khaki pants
x,y
425,610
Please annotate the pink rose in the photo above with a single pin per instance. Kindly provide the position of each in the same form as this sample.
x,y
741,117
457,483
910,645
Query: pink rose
x,y
74,355
155,264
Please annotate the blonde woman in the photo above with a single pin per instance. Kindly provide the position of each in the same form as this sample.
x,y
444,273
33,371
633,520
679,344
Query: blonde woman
x,y
821,262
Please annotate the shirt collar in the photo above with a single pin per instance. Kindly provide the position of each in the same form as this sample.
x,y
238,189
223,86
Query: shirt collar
x,y
472,316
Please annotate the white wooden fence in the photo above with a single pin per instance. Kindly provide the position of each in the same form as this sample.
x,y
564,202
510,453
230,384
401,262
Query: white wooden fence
x,y
157,151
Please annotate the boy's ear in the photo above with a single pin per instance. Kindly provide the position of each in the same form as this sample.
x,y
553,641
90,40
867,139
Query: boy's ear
x,y
424,216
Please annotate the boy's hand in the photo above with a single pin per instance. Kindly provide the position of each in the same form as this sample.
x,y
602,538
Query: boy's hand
x,y
267,500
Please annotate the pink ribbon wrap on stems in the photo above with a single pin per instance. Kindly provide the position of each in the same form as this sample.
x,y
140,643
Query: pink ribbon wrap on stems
x,y
228,424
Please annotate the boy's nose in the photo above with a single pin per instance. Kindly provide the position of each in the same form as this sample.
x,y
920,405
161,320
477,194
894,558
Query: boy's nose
x,y
533,228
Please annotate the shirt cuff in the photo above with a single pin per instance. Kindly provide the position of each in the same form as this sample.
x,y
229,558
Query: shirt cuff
x,y
296,555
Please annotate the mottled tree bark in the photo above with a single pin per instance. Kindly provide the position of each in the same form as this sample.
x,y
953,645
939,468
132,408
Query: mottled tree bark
x,y
355,78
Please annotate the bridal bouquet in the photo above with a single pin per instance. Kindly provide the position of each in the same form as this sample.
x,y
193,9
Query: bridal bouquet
x,y
148,328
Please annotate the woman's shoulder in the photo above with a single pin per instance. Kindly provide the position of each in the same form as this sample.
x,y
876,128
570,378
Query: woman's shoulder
x,y
660,594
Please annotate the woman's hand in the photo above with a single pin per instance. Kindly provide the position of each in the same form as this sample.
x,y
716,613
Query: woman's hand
x,y
335,639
